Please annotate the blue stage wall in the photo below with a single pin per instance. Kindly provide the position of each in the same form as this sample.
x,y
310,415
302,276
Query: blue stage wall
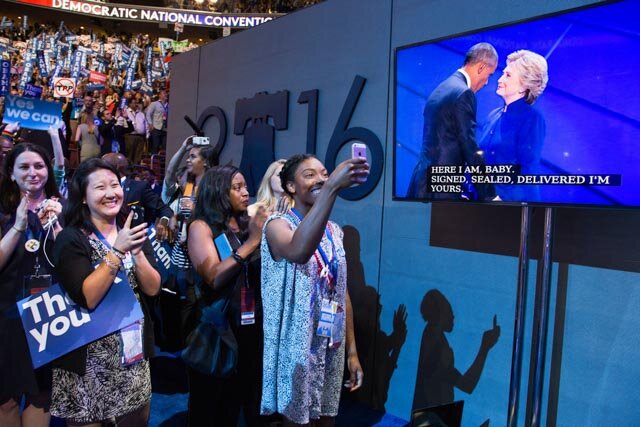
x,y
592,358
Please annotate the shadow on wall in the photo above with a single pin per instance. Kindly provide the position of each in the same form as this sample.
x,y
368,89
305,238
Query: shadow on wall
x,y
437,374
378,352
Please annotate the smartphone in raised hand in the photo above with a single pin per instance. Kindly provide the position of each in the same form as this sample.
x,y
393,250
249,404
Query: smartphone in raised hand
x,y
358,150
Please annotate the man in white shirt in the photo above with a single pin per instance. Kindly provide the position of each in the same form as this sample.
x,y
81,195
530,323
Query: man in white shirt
x,y
135,141
157,121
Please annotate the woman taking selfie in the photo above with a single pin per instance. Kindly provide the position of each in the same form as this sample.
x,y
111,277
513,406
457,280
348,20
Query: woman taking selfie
x,y
93,384
308,320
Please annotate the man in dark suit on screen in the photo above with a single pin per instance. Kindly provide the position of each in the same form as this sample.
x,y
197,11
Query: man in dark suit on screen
x,y
449,136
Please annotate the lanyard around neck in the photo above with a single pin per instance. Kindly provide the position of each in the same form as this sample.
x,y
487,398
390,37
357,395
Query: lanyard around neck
x,y
101,237
331,264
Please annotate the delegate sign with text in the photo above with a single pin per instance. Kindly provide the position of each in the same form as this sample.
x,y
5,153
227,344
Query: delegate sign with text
x,y
31,113
54,325
161,252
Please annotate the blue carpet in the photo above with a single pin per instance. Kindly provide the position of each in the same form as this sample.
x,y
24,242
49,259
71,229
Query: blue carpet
x,y
170,394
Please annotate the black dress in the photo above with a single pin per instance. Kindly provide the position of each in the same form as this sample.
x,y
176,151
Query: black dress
x,y
17,376
218,401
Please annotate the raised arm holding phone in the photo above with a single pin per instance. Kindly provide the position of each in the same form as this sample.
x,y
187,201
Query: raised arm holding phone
x,y
305,295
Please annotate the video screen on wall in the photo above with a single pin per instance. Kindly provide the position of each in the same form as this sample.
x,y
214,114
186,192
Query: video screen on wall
x,y
556,122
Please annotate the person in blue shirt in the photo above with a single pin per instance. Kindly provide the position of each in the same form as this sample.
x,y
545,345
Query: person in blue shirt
x,y
514,133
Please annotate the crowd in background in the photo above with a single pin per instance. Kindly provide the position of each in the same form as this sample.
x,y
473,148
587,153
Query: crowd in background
x,y
242,6
121,94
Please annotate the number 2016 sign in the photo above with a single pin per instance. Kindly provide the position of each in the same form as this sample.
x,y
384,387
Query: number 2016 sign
x,y
63,87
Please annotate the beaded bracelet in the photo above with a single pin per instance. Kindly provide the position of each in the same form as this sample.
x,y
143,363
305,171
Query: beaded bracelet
x,y
112,265
118,253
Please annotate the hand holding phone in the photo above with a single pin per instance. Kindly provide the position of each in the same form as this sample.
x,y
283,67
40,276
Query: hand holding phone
x,y
358,150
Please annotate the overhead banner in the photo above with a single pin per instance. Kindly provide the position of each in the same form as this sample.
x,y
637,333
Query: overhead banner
x,y
31,113
54,325
154,14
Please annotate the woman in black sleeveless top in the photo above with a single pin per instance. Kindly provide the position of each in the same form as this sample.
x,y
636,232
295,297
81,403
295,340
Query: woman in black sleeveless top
x,y
221,208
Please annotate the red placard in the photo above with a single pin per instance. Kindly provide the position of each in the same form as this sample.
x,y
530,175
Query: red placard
x,y
96,77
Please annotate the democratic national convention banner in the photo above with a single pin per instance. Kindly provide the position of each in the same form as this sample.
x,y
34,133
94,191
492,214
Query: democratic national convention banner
x,y
31,113
154,14
54,325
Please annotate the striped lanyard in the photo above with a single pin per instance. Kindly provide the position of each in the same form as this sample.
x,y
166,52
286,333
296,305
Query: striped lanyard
x,y
330,267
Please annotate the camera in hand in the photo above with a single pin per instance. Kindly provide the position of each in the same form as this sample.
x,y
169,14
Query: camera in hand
x,y
49,220
201,140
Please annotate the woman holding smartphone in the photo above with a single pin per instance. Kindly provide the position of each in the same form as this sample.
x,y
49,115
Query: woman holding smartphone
x,y
307,309
97,383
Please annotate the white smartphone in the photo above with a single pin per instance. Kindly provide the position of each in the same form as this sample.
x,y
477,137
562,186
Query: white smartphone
x,y
358,150
200,140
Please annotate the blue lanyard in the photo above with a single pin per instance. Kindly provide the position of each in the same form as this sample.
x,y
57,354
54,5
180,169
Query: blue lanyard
x,y
333,263
31,235
101,237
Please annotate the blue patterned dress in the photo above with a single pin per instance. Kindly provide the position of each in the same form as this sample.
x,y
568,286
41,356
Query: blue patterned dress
x,y
302,376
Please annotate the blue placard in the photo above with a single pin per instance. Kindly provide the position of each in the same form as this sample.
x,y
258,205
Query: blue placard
x,y
5,77
54,325
43,63
149,63
162,254
223,246
31,91
94,86
31,113
77,64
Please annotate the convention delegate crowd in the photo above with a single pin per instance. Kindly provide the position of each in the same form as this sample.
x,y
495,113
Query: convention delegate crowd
x,y
101,262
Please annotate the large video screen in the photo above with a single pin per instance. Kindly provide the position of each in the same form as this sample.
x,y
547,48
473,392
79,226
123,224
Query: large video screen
x,y
558,121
